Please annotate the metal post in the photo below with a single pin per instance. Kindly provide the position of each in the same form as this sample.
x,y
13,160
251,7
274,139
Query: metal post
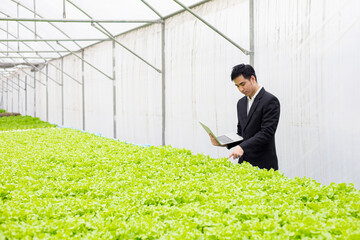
x,y
163,96
7,36
62,91
47,93
17,8
18,93
25,95
83,88
114,87
64,11
163,83
2,94
35,35
251,12
7,95
12,98
34,94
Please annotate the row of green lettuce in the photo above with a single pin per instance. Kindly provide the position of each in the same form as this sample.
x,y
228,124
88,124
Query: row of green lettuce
x,y
22,122
60,183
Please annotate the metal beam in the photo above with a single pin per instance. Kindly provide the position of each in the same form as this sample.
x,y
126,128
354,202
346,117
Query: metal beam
x,y
25,79
34,51
55,40
246,52
46,60
10,78
28,57
36,14
153,9
36,35
35,67
76,20
86,62
109,35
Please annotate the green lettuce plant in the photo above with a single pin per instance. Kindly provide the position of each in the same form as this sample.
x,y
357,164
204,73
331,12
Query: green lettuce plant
x,y
62,183
22,122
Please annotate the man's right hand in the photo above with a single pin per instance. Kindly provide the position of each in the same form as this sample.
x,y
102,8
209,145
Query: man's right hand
x,y
213,140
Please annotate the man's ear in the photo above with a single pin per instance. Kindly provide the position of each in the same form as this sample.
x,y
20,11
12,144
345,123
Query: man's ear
x,y
252,79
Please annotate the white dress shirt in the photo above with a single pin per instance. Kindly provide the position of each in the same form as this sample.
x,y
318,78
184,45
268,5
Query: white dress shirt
x,y
251,100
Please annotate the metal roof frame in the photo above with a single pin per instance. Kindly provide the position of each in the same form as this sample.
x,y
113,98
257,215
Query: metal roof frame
x,y
96,23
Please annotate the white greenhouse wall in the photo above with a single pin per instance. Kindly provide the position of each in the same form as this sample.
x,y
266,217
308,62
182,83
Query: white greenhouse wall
x,y
73,92
54,93
138,91
306,53
198,66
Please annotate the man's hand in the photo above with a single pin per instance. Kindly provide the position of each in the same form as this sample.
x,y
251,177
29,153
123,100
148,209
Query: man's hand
x,y
213,140
237,152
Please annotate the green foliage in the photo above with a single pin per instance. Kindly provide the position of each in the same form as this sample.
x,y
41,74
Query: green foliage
x,y
61,183
2,110
22,122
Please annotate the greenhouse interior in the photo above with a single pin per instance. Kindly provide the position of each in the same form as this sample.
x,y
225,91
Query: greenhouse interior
x,y
106,108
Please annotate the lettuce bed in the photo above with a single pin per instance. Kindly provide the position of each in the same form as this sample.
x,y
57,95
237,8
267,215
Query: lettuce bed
x,y
22,122
61,183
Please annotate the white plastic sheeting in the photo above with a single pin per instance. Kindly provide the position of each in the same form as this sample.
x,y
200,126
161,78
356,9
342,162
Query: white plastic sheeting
x,y
99,90
54,112
306,53
138,109
73,92
198,67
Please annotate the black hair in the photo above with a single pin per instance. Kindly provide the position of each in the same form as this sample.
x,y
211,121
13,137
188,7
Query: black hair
x,y
245,70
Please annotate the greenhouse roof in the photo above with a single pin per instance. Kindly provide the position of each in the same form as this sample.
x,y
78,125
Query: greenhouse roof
x,y
34,31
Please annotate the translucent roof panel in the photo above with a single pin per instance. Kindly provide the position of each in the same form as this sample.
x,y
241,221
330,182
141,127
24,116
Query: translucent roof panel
x,y
70,10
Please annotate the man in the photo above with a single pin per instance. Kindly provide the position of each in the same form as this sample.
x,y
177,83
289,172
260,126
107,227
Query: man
x,y
258,116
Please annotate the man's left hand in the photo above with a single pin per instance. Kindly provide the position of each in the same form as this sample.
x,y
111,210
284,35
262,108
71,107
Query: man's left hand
x,y
237,152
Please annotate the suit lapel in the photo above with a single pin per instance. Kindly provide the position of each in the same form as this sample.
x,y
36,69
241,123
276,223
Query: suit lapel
x,y
253,107
244,109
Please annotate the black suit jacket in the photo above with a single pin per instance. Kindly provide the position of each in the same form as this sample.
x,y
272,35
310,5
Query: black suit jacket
x,y
258,130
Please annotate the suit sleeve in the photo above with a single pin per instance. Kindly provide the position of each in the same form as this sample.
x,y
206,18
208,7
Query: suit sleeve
x,y
231,145
269,124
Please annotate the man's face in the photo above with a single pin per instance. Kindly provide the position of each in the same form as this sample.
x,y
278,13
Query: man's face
x,y
246,86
